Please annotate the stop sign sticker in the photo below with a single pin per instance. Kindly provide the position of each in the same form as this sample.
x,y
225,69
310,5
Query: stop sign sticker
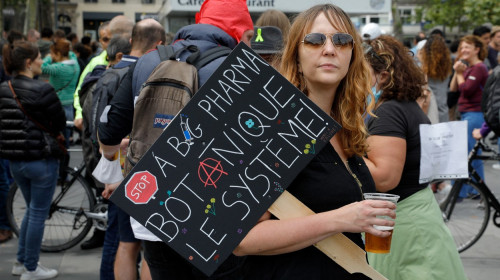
x,y
141,187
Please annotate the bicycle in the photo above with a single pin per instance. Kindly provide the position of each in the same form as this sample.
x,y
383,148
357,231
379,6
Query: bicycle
x,y
467,218
75,208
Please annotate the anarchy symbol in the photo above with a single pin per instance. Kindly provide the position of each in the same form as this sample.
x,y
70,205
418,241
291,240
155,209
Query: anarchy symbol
x,y
210,171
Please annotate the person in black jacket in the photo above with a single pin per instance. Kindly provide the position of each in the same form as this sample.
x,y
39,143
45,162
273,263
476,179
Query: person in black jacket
x,y
27,105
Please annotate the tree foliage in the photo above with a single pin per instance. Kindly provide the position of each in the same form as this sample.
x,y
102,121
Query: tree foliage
x,y
482,11
464,14
397,25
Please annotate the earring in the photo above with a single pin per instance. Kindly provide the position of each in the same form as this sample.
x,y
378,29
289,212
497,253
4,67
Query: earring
x,y
29,68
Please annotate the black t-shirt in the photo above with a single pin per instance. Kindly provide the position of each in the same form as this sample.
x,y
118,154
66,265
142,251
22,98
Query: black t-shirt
x,y
325,184
402,119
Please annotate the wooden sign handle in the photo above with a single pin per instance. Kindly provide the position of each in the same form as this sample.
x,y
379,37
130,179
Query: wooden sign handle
x,y
338,247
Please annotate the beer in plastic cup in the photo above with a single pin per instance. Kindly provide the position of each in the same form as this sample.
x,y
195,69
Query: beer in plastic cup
x,y
375,244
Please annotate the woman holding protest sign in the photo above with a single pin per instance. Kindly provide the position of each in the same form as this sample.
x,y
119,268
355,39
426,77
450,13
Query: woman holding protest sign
x,y
422,246
324,59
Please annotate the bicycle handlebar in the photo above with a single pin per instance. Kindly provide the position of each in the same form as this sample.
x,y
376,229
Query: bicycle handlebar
x,y
481,144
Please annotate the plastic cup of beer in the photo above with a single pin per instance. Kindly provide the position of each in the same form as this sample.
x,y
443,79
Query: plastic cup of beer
x,y
375,244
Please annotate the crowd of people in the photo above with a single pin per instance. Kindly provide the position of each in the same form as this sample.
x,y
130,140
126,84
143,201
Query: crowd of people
x,y
375,87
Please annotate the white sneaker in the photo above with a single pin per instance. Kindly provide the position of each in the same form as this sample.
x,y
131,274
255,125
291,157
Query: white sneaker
x,y
496,166
41,272
18,269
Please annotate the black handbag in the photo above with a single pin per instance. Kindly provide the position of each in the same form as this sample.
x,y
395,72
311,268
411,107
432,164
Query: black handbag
x,y
54,144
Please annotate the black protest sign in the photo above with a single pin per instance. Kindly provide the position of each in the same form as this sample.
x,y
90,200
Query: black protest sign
x,y
224,159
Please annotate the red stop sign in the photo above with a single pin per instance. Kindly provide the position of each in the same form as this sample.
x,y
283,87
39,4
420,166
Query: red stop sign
x,y
141,187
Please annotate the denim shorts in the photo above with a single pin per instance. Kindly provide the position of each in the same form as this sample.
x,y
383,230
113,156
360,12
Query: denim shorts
x,y
124,227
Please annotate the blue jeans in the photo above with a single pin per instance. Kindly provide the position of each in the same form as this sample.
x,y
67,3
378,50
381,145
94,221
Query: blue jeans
x,y
474,120
5,181
69,112
110,246
37,181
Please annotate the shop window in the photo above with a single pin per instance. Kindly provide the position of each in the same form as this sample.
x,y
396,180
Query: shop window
x,y
405,15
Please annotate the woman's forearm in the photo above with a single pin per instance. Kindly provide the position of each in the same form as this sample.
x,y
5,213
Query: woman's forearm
x,y
272,237
453,83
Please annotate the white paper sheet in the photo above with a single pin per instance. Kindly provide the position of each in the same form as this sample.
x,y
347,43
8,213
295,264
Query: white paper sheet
x,y
443,151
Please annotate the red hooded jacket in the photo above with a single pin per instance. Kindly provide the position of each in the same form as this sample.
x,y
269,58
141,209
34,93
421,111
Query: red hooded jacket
x,y
232,16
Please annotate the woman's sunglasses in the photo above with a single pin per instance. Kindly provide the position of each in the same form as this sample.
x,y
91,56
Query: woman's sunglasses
x,y
339,40
368,50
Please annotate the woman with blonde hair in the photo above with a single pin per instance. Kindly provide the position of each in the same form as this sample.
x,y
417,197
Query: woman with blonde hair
x,y
276,18
324,59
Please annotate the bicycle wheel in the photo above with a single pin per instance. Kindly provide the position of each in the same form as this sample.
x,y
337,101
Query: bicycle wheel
x,y
466,218
66,224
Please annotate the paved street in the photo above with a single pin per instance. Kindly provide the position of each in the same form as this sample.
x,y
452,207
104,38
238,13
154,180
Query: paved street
x,y
481,261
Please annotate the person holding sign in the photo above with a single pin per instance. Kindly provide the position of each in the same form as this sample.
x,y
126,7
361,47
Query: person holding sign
x,y
324,59
219,23
422,246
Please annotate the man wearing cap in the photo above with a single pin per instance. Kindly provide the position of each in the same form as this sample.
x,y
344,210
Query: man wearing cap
x,y
219,23
371,31
267,41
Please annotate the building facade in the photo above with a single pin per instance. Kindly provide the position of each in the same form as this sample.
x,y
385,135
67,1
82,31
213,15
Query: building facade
x,y
84,16
87,15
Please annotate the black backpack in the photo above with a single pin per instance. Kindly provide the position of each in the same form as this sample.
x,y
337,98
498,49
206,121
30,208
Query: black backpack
x,y
490,101
166,91
90,156
102,95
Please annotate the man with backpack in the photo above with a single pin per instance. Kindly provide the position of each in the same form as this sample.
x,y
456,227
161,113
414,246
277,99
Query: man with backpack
x,y
118,26
146,34
220,24
117,48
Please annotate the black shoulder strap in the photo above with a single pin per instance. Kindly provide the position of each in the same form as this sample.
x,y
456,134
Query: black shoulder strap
x,y
165,52
211,55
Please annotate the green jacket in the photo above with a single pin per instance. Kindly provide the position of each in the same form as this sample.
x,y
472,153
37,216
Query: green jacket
x,y
63,77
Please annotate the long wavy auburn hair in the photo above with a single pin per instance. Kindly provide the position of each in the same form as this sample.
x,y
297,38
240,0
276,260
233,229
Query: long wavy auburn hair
x,y
436,58
349,106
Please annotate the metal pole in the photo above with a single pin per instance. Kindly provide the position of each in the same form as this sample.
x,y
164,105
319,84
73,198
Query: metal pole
x,y
55,16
